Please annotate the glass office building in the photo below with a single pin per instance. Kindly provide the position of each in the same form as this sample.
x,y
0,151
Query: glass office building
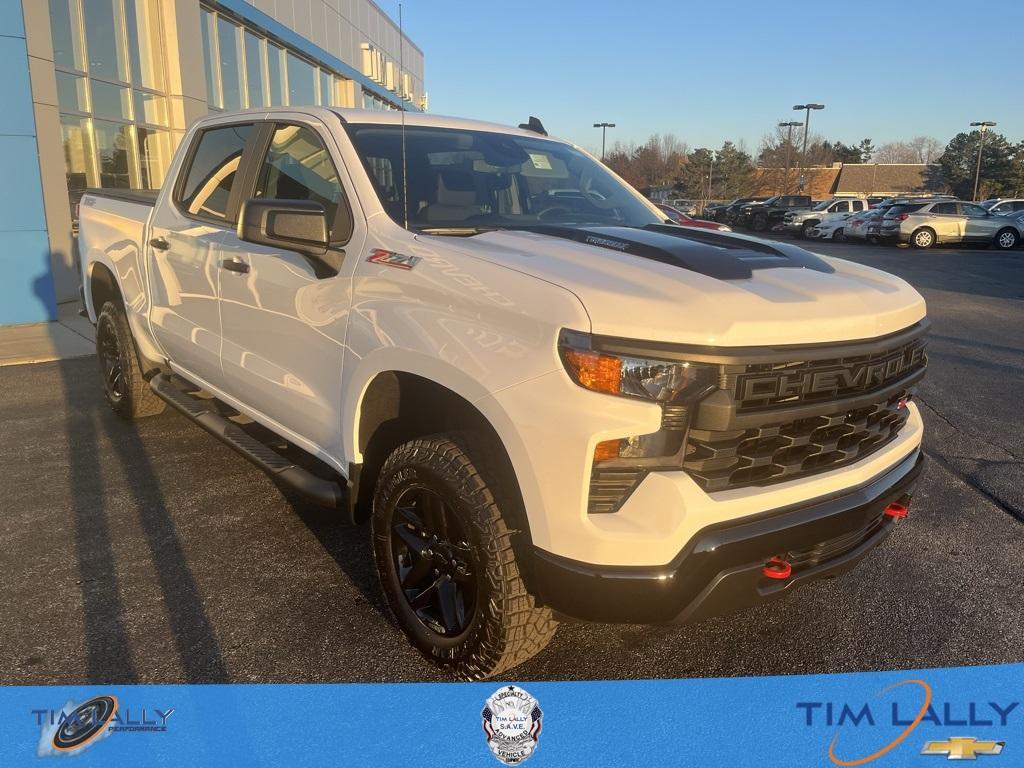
x,y
100,92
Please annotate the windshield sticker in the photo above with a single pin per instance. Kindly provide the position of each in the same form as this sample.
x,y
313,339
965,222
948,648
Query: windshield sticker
x,y
540,162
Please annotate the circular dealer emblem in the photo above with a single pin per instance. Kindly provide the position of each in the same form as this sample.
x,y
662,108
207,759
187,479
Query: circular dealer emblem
x,y
86,722
511,719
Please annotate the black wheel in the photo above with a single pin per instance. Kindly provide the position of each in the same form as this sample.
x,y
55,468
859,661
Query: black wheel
x,y
446,562
1006,239
760,223
838,235
805,230
923,238
126,389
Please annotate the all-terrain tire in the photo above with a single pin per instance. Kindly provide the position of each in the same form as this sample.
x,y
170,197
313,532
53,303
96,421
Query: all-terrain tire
x,y
124,385
506,627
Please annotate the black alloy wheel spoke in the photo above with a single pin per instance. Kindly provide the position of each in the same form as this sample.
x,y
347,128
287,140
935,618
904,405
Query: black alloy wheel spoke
x,y
414,576
448,599
426,596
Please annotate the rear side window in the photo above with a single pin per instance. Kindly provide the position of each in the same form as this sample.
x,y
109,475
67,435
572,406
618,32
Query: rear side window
x,y
944,208
299,167
212,171
896,210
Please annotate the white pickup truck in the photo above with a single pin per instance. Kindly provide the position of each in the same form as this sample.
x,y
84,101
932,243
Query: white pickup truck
x,y
802,222
546,406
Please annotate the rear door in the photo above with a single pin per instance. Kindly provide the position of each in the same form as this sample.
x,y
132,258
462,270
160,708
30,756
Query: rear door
x,y
188,225
284,315
947,221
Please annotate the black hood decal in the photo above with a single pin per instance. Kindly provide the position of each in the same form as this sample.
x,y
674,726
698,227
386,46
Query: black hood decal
x,y
722,255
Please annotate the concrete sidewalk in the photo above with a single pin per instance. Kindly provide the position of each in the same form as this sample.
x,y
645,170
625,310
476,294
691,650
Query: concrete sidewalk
x,y
71,336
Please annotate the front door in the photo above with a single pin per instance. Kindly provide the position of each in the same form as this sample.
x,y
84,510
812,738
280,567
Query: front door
x,y
284,315
980,225
187,229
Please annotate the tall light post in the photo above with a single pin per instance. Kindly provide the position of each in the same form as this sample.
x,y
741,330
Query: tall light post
x,y
789,145
604,127
807,124
983,126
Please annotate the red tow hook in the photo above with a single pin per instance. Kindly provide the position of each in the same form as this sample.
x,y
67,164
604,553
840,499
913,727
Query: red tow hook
x,y
777,568
897,510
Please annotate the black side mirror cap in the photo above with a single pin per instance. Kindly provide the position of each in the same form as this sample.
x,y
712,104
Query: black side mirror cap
x,y
292,225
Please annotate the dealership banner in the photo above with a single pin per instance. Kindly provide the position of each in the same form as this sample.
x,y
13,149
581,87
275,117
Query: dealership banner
x,y
901,718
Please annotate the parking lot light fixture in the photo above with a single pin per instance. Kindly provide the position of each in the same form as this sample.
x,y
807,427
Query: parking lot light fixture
x,y
983,126
807,123
789,146
604,127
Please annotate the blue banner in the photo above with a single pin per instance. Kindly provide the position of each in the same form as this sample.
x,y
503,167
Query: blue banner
x,y
903,718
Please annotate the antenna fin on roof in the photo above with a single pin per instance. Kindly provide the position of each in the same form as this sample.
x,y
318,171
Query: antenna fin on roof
x,y
534,125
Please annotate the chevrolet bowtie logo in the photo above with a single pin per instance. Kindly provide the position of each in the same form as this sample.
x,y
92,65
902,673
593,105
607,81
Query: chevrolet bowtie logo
x,y
962,748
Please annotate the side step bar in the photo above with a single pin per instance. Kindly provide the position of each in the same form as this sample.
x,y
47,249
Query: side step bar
x,y
317,490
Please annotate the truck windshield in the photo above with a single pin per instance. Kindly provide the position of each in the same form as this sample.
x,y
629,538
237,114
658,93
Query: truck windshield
x,y
465,180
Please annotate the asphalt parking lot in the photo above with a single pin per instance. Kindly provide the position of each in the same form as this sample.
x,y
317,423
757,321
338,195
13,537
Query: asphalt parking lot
x,y
149,552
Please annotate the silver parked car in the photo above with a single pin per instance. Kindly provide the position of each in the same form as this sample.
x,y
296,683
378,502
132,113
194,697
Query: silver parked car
x,y
923,224
1004,206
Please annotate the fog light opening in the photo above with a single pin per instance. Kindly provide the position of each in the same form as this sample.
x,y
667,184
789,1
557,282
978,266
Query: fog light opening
x,y
777,568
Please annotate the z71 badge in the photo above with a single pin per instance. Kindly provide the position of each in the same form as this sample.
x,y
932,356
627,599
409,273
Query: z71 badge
x,y
392,259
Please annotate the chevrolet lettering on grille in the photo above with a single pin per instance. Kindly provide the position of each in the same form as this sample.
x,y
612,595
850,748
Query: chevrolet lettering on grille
x,y
864,376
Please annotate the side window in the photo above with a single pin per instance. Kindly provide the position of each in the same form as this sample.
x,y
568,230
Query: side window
x,y
944,208
206,190
843,207
299,167
858,205
1019,205
973,211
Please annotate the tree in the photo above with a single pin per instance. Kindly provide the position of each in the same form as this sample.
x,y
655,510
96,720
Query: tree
x,y
928,150
867,150
958,163
734,173
693,177
896,152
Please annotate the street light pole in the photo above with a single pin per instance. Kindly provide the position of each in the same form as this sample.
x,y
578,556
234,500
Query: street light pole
x,y
807,124
789,145
983,126
604,127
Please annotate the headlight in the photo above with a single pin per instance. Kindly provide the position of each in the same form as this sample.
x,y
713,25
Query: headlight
x,y
663,381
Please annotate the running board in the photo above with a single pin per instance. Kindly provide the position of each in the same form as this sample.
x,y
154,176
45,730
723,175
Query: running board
x,y
325,493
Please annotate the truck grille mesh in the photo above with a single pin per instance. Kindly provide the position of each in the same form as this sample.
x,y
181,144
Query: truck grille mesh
x,y
776,452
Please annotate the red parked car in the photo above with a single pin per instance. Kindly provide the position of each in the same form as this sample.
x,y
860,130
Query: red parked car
x,y
688,221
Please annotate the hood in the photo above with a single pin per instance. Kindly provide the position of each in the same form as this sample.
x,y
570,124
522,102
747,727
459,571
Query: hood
x,y
704,287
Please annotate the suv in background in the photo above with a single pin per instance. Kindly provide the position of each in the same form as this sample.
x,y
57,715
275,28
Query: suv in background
x,y
802,222
923,224
762,216
1004,206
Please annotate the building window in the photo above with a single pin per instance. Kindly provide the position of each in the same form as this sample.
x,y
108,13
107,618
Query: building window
x,y
110,79
254,70
230,71
302,82
274,78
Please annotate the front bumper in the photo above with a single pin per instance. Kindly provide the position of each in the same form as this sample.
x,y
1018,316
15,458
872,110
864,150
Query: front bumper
x,y
720,569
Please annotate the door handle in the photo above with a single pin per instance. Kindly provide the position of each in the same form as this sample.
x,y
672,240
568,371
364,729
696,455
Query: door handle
x,y
235,265
159,244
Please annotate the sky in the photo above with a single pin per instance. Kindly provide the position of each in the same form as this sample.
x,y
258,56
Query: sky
x,y
712,70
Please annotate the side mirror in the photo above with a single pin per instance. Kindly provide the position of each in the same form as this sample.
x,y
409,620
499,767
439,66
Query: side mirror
x,y
292,225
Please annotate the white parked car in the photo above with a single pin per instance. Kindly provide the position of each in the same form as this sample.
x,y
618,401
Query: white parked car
x,y
832,228
541,403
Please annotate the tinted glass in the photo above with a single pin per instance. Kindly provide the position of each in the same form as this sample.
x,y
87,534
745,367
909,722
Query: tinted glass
x,y
230,72
115,147
459,178
896,210
64,28
299,167
144,43
207,186
254,69
206,26
277,96
944,208
105,37
302,84
843,207
973,210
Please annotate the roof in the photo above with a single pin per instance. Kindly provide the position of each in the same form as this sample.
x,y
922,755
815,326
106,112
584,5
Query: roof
x,y
885,178
394,117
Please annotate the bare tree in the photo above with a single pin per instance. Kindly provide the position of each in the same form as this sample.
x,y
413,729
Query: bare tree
x,y
896,152
928,149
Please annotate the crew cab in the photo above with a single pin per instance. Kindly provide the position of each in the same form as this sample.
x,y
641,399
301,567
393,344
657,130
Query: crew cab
x,y
765,215
546,406
802,222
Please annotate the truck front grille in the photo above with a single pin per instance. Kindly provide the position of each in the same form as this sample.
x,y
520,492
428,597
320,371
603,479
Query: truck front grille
x,y
809,557
780,451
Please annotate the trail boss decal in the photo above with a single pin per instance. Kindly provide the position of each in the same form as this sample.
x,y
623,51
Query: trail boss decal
x,y
392,259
